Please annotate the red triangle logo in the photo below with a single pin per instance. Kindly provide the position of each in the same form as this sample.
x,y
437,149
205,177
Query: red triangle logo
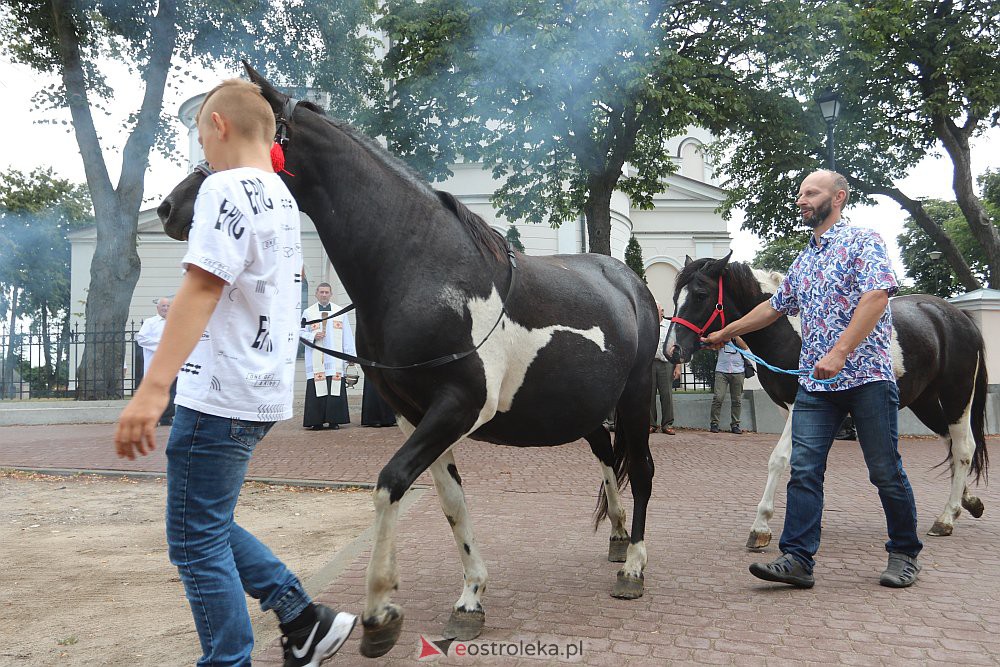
x,y
427,649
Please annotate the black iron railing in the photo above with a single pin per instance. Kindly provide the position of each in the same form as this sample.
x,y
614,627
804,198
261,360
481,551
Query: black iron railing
x,y
46,364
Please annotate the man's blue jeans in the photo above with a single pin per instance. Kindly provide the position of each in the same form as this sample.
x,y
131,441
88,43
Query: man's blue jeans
x,y
207,459
815,420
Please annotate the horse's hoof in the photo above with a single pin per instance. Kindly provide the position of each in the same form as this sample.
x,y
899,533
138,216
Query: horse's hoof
x,y
940,529
974,506
758,540
379,639
627,587
464,625
617,549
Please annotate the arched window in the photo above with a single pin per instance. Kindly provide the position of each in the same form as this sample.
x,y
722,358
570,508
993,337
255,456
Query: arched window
x,y
692,160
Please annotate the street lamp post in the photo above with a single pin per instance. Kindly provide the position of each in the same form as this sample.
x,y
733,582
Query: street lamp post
x,y
829,106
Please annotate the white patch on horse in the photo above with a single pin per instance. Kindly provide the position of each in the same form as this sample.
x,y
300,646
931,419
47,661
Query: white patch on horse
x,y
896,353
963,447
769,282
671,339
509,351
616,513
453,298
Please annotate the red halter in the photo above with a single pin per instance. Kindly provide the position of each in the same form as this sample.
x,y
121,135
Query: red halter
x,y
718,312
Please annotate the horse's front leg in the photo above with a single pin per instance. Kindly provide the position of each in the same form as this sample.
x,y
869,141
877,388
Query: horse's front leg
x,y
777,464
441,427
962,447
468,616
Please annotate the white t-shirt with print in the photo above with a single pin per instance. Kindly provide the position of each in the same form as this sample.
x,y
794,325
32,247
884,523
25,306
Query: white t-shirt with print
x,y
246,231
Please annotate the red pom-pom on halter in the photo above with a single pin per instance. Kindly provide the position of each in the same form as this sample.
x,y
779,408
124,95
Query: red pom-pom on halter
x,y
278,159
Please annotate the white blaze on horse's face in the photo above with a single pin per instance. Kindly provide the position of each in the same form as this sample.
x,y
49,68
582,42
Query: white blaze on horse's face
x,y
672,332
509,351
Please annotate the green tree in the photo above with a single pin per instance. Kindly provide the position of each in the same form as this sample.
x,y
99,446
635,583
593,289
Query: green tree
x,y
633,258
913,76
514,238
556,98
37,212
777,254
934,276
156,40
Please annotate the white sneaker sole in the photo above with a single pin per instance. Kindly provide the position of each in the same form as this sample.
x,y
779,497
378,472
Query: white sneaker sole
x,y
340,630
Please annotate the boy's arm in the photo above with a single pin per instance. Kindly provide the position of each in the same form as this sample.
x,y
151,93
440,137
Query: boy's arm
x,y
189,314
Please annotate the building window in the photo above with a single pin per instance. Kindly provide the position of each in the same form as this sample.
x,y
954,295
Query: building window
x,y
692,160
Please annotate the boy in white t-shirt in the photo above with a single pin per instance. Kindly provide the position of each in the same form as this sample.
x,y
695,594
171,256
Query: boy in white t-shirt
x,y
232,334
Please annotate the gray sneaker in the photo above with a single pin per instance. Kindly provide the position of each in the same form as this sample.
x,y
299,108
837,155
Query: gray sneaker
x,y
901,571
784,570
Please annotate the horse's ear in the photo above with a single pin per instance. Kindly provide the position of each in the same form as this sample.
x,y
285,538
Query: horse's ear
x,y
274,98
716,267
687,260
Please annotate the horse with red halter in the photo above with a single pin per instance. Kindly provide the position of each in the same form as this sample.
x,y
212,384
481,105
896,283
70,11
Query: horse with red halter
x,y
472,339
938,360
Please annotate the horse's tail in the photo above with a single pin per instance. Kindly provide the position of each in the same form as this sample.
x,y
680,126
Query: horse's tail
x,y
980,457
621,452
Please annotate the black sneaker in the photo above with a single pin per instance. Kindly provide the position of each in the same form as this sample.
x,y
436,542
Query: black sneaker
x,y
784,570
736,430
714,428
310,646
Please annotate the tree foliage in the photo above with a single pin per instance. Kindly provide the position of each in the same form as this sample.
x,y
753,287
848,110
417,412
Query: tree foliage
x,y
633,258
556,98
914,76
38,210
777,254
935,276
514,238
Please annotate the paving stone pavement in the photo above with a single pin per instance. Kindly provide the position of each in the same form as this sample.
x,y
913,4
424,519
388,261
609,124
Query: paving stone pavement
x,y
550,579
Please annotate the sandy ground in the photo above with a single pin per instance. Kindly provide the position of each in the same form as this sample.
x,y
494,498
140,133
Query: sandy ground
x,y
85,575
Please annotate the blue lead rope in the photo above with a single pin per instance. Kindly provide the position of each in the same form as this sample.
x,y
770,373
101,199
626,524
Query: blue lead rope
x,y
801,371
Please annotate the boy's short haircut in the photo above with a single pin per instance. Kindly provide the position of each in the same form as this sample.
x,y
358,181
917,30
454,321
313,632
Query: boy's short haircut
x,y
244,107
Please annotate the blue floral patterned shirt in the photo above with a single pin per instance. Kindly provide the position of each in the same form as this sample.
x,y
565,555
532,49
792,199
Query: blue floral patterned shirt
x,y
823,287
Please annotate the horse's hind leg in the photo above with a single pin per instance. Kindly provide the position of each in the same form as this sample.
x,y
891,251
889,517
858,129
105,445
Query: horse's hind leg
x,y
467,617
600,444
962,447
760,532
633,429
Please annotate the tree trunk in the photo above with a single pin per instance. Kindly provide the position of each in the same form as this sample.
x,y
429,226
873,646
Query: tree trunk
x,y
956,142
114,272
597,211
9,361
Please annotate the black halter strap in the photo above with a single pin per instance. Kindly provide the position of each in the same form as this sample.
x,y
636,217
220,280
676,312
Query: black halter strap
x,y
440,361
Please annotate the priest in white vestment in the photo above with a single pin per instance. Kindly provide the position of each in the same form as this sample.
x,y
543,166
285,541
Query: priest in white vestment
x,y
326,389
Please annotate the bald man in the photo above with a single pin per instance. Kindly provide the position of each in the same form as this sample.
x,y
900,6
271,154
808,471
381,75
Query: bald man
x,y
840,286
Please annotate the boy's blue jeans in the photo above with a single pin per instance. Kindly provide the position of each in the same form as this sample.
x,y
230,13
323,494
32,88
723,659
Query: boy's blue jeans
x,y
207,458
815,420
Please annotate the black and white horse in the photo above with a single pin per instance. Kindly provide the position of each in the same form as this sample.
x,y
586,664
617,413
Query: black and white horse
x,y
568,339
937,356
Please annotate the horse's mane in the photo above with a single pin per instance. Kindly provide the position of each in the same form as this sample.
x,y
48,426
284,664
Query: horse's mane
x,y
485,237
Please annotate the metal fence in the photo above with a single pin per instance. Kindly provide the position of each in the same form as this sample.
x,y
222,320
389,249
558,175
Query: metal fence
x,y
44,364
